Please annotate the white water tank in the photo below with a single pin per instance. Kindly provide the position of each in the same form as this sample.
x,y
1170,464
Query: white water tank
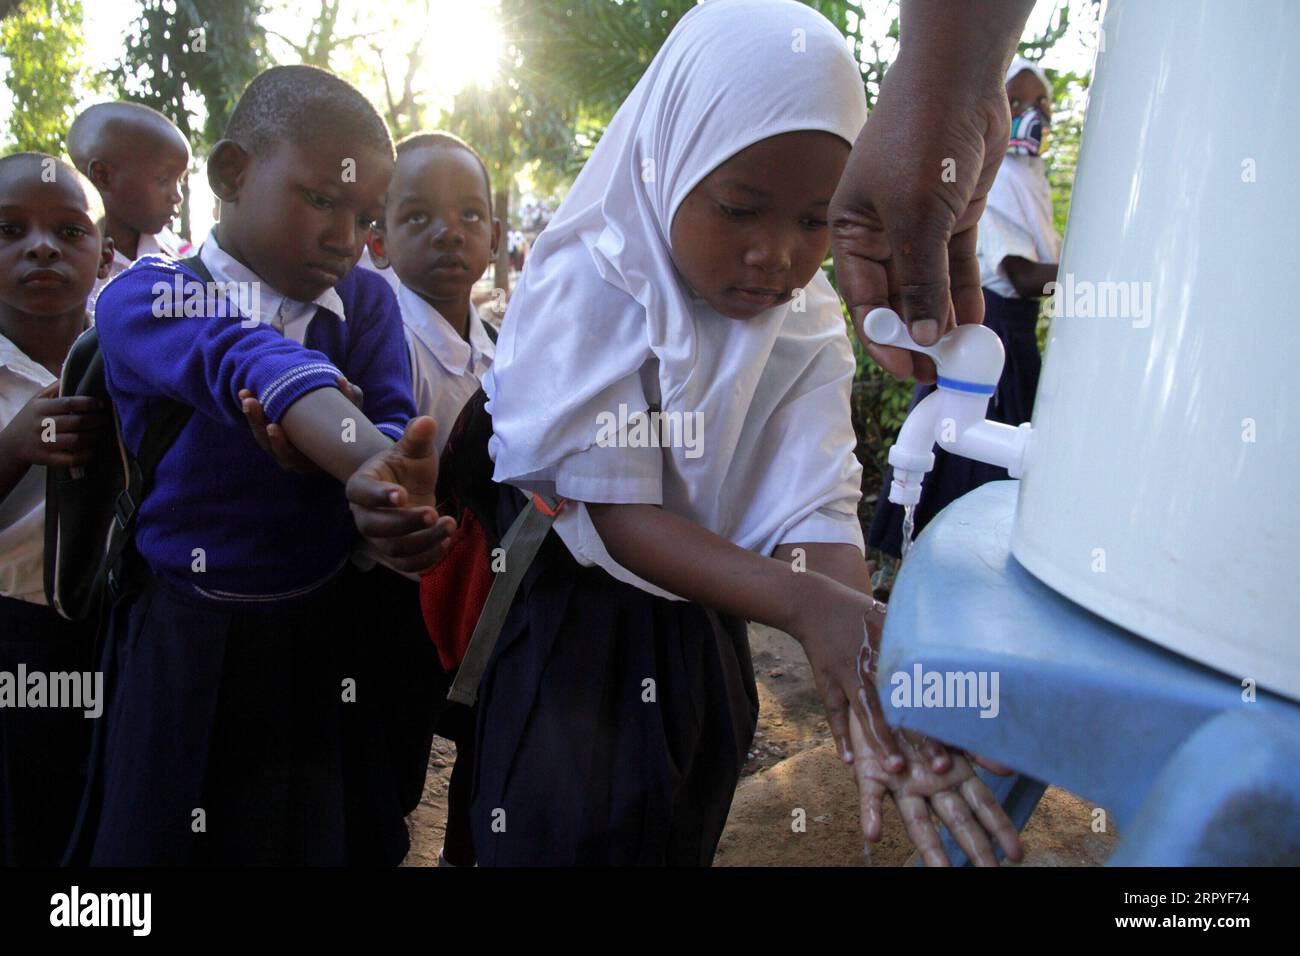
x,y
1162,484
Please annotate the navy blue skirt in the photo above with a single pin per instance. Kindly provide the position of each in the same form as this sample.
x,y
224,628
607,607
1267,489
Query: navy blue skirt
x,y
613,725
42,749
1015,321
231,738
413,700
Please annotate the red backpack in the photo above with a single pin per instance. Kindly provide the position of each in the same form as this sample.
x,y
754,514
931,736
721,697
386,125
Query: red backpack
x,y
466,596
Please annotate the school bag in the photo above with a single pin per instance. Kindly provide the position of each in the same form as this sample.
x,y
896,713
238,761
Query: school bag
x,y
465,597
90,510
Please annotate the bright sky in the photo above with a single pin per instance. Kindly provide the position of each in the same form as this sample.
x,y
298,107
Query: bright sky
x,y
460,40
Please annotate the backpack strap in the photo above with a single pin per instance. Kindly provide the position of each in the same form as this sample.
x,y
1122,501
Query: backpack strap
x,y
521,544
167,420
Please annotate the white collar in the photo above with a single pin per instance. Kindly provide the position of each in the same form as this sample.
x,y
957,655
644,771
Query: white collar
x,y
429,325
20,363
147,245
226,268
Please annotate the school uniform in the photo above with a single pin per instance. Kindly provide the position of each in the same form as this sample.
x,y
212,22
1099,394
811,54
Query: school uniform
x,y
1017,222
367,261
614,716
42,750
242,724
165,243
446,370
445,373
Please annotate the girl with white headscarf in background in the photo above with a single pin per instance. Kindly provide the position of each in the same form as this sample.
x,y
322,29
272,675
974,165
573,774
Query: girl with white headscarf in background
x,y
675,364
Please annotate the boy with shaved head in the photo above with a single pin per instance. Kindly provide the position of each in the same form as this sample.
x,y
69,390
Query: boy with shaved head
x,y
136,157
50,254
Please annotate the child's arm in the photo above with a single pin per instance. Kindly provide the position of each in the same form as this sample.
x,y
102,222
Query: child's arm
x,y
826,608
208,363
825,616
1028,277
844,563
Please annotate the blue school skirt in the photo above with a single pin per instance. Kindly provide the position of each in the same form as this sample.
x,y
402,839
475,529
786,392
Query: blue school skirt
x,y
1015,321
613,725
42,749
413,701
228,739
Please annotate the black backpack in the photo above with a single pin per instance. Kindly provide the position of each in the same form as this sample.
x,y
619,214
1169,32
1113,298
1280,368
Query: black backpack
x,y
90,510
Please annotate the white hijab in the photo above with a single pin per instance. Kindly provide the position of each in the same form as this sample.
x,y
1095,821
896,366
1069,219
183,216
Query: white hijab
x,y
600,302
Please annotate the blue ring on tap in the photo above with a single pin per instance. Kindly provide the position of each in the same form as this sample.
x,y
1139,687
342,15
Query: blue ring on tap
x,y
959,386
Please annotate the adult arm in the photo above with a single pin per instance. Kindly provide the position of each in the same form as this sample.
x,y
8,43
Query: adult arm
x,y
904,215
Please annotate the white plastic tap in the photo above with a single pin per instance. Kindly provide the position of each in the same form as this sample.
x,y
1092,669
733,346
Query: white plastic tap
x,y
969,363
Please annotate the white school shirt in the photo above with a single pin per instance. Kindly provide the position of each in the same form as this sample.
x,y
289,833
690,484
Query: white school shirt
x,y
22,512
388,275
273,308
165,243
445,369
1016,222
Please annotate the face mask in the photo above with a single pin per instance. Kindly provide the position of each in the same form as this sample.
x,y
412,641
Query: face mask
x,y
1028,134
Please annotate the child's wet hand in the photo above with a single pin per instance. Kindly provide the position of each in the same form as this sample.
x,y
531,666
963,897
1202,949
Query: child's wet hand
x,y
54,431
392,497
271,438
957,796
841,642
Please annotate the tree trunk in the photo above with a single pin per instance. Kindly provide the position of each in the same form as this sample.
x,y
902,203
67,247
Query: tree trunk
x,y
501,273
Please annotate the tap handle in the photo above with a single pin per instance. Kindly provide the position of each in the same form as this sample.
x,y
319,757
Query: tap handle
x,y
884,327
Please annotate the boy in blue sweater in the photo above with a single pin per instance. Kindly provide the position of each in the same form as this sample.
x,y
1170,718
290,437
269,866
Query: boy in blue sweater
x,y
241,725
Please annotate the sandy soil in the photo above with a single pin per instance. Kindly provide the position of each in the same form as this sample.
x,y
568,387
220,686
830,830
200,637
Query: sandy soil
x,y
793,766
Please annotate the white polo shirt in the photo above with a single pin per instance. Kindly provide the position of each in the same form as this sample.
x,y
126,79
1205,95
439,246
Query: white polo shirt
x,y
22,511
445,369
1017,222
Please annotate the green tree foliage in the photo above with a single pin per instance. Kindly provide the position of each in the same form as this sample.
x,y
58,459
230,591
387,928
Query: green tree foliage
x,y
42,40
180,53
179,49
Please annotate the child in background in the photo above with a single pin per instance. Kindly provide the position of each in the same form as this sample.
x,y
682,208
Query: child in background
x,y
439,236
681,278
1018,249
242,724
50,254
136,157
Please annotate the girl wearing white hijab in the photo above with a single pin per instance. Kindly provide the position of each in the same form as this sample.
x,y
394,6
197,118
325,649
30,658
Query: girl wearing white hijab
x,y
676,365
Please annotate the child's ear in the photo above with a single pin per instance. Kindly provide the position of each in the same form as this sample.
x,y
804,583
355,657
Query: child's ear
x,y
227,167
375,243
496,236
100,173
105,257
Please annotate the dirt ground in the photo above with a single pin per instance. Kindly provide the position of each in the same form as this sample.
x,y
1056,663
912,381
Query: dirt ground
x,y
792,766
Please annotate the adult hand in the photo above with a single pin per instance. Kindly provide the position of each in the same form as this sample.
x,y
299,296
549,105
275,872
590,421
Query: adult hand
x,y
904,215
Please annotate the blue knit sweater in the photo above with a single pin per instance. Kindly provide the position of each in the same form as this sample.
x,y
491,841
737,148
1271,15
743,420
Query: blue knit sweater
x,y
223,521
